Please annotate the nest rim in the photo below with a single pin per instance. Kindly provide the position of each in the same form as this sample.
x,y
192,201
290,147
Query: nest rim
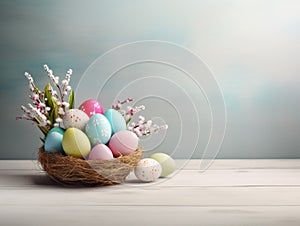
x,y
69,170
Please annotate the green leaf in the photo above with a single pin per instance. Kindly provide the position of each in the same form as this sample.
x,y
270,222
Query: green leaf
x,y
43,129
48,95
71,100
128,120
54,112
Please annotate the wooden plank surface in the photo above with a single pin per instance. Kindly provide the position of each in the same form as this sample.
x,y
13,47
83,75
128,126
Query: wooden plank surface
x,y
230,192
193,164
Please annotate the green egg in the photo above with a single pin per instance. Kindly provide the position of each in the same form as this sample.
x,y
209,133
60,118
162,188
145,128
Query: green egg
x,y
168,164
75,143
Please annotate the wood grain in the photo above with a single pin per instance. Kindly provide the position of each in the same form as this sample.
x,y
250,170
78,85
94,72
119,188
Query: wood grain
x,y
230,192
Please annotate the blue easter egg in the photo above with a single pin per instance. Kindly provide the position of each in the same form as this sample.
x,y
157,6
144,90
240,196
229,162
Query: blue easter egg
x,y
57,130
98,129
53,142
116,120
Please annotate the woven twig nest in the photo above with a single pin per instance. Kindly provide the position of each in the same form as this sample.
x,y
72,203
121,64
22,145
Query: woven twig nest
x,y
74,171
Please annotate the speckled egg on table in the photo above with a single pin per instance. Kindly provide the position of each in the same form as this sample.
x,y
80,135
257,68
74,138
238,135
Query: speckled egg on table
x,y
98,129
75,143
148,170
91,107
100,152
116,120
123,143
53,141
75,118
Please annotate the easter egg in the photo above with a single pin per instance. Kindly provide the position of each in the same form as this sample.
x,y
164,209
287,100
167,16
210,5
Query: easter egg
x,y
91,107
100,152
123,143
75,143
56,130
116,120
53,141
75,118
168,164
147,170
98,129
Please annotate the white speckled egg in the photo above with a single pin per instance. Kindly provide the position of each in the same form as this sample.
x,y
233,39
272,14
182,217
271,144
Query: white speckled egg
x,y
148,170
75,118
98,129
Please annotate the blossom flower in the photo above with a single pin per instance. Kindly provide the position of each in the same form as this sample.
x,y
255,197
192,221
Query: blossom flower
x,y
130,111
47,108
145,128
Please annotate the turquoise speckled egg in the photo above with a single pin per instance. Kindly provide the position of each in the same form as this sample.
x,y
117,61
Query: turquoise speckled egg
x,y
98,129
53,142
116,120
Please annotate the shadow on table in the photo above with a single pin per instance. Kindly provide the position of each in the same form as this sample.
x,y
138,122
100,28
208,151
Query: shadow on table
x,y
17,179
45,180
20,178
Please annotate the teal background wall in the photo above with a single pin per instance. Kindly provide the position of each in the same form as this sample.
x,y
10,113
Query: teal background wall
x,y
252,47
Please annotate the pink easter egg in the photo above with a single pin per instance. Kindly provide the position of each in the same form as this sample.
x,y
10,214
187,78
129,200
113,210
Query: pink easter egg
x,y
100,152
123,143
91,107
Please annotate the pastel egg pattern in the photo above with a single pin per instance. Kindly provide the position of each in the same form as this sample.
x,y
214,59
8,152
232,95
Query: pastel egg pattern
x,y
100,152
75,118
148,170
53,141
168,164
116,120
98,129
91,107
123,143
75,143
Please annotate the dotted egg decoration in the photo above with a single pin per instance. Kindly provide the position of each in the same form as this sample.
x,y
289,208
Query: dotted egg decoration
x,y
148,170
98,129
91,107
75,118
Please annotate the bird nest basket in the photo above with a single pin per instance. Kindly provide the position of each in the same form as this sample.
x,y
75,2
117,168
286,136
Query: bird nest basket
x,y
69,170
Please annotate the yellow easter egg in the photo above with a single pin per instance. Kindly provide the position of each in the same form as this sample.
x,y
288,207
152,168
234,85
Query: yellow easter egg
x,y
76,143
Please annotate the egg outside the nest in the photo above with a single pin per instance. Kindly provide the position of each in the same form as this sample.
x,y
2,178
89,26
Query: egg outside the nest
x,y
148,170
168,164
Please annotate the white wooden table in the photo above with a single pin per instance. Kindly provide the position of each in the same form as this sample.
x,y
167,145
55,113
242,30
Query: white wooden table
x,y
230,192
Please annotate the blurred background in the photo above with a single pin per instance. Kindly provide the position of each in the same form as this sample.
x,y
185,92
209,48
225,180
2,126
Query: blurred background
x,y
252,47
